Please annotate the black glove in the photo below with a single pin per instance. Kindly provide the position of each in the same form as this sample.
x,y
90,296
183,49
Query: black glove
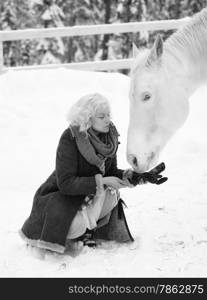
x,y
153,176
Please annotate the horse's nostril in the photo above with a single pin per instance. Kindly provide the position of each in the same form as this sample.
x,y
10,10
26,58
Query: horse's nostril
x,y
134,160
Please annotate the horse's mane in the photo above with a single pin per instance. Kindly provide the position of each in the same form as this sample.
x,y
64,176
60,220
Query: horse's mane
x,y
187,46
190,42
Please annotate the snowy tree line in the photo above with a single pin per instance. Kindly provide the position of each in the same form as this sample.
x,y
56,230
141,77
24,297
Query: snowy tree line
x,y
22,14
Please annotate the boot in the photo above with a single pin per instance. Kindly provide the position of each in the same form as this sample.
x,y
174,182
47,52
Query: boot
x,y
88,239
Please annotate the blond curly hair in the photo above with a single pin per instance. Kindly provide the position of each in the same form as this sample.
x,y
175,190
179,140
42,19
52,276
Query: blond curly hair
x,y
86,107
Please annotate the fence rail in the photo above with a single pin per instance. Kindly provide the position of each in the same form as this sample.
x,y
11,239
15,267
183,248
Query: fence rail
x,y
87,30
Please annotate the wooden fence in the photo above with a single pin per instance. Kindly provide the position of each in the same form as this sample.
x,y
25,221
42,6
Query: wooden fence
x,y
83,31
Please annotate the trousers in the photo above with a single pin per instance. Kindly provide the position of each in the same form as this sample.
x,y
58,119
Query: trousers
x,y
99,209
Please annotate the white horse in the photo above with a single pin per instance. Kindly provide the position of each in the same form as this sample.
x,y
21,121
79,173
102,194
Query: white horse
x,y
162,80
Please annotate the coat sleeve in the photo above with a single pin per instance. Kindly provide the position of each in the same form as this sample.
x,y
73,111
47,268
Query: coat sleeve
x,y
113,170
66,169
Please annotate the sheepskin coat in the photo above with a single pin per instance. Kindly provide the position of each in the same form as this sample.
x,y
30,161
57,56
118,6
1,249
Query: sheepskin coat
x,y
58,199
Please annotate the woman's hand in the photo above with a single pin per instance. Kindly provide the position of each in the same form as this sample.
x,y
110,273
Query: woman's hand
x,y
115,182
153,176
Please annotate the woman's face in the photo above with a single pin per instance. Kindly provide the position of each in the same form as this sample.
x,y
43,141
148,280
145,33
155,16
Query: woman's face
x,y
101,120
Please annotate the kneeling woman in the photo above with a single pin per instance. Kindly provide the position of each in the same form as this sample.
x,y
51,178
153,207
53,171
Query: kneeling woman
x,y
80,199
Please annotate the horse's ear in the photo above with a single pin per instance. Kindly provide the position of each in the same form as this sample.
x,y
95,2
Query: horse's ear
x,y
158,45
156,51
135,50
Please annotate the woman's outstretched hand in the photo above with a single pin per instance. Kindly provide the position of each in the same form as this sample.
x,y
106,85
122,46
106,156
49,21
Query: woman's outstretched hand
x,y
153,176
115,182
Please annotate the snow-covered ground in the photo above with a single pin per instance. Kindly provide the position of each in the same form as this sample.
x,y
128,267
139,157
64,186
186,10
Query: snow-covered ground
x,y
168,222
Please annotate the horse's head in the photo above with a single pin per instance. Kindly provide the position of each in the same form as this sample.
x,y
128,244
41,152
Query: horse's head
x,y
158,106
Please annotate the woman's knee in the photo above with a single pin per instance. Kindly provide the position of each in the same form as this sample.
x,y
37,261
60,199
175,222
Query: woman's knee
x,y
111,200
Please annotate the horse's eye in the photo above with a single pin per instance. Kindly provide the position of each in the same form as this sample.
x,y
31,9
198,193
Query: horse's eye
x,y
146,96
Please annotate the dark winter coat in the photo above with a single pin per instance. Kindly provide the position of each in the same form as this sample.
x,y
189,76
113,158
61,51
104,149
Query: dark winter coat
x,y
58,199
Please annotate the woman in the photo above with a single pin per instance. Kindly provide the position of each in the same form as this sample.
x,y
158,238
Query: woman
x,y
80,199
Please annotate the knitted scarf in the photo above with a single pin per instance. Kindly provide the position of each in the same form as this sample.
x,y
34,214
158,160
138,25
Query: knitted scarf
x,y
96,147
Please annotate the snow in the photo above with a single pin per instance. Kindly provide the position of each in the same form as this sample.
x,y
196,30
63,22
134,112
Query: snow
x,y
168,222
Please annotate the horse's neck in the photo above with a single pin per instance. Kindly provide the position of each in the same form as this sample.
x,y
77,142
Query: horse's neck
x,y
189,72
195,70
186,53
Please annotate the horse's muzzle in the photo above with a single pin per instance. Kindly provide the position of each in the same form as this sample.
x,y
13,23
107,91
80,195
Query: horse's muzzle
x,y
141,164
